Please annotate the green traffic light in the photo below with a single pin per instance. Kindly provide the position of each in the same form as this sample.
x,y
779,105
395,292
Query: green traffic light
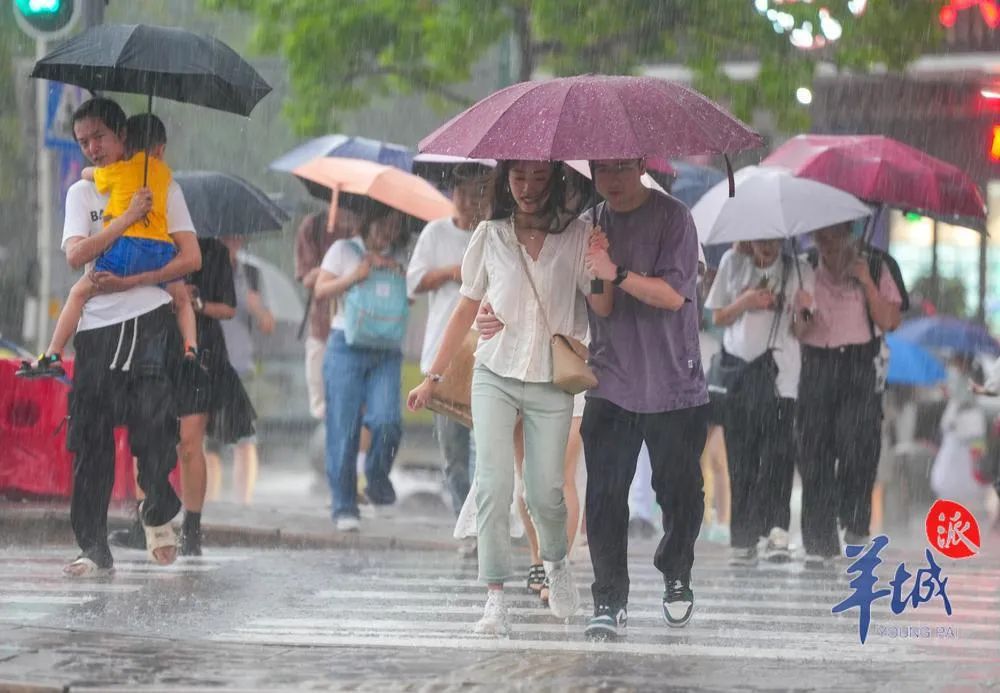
x,y
45,18
30,7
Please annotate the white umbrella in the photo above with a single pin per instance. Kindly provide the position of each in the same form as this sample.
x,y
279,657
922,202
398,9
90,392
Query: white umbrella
x,y
771,203
582,167
426,158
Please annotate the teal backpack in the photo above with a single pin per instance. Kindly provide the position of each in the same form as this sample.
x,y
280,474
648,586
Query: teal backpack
x,y
376,310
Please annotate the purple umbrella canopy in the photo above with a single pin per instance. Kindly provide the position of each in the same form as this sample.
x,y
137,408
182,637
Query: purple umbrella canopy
x,y
592,117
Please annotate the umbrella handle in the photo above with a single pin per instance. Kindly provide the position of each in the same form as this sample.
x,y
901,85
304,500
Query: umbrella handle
x,y
806,314
305,316
331,217
149,130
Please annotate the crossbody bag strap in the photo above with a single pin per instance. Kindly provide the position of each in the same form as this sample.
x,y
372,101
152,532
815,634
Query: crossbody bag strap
x,y
531,282
773,334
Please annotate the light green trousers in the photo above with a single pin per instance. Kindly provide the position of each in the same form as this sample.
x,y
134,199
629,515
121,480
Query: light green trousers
x,y
547,412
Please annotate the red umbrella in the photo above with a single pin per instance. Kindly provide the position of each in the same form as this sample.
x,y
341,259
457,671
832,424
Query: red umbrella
x,y
592,117
883,170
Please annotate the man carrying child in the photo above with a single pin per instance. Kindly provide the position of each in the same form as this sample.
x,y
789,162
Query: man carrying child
x,y
120,373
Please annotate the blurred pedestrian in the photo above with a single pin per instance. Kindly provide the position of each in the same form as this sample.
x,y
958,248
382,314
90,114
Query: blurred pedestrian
x,y
537,579
956,473
362,368
435,269
251,314
840,396
651,389
763,301
312,241
641,499
528,263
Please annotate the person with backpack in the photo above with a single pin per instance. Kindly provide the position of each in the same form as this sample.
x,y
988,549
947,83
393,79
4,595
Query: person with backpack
x,y
858,297
763,302
312,241
363,363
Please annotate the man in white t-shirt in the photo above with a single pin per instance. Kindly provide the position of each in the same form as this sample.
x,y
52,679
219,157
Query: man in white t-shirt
x,y
436,269
121,364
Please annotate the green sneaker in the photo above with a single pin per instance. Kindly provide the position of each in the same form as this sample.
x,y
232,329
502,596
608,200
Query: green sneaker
x,y
678,602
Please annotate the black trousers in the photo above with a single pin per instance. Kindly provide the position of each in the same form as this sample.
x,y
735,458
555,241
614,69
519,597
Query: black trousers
x,y
839,435
612,437
760,447
120,378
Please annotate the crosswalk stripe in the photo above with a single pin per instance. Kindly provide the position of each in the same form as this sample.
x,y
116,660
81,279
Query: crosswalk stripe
x,y
851,653
67,586
703,602
32,586
44,599
369,626
637,615
835,593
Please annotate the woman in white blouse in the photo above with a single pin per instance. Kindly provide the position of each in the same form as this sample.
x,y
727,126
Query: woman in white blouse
x,y
530,231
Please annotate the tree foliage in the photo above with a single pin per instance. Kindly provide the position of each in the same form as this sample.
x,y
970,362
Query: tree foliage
x,y
342,54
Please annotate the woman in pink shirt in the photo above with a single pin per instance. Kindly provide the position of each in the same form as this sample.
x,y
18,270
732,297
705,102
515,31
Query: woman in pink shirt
x,y
840,400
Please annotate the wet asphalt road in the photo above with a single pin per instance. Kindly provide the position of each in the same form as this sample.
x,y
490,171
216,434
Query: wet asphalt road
x,y
247,620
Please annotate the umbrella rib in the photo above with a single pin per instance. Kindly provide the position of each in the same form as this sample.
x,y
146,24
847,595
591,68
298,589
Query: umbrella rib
x,y
697,121
631,123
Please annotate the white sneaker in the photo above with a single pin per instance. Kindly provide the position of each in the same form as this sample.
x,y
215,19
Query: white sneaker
x,y
348,523
564,598
776,550
494,620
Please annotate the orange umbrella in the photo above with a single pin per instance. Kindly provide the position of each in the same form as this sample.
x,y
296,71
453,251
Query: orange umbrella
x,y
387,184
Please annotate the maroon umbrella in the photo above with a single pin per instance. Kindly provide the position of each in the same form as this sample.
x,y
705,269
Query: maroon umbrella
x,y
591,117
885,171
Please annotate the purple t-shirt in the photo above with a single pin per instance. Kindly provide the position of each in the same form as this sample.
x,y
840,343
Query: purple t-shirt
x,y
647,359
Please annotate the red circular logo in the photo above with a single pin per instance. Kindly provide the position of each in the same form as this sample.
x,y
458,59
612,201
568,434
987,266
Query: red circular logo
x,y
952,530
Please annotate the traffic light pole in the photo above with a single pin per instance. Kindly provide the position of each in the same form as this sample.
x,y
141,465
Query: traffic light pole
x,y
45,194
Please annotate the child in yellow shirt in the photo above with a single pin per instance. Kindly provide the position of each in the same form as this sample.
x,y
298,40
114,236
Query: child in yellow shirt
x,y
143,247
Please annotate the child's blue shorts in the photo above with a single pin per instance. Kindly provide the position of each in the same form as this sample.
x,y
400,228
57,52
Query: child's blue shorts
x,y
128,256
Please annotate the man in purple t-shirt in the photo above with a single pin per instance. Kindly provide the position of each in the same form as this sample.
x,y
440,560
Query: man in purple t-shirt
x,y
651,389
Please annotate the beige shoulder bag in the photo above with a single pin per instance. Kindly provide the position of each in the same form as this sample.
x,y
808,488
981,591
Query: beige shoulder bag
x,y
570,372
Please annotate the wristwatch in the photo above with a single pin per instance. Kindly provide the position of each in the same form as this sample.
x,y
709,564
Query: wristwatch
x,y
620,275
435,377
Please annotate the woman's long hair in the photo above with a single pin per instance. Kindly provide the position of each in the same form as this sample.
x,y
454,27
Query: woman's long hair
x,y
554,217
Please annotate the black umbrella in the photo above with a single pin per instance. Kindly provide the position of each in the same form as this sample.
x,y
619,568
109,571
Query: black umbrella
x,y
157,61
225,205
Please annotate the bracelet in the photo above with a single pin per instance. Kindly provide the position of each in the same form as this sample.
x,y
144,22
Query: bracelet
x,y
435,377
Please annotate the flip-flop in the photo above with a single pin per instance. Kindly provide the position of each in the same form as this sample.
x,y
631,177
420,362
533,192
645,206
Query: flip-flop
x,y
83,567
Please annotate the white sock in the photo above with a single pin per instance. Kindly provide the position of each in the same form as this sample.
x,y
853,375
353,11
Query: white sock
x,y
362,456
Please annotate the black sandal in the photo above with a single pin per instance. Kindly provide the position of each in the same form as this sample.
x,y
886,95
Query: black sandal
x,y
536,578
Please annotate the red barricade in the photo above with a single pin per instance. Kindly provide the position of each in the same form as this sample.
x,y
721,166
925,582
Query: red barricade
x,y
33,456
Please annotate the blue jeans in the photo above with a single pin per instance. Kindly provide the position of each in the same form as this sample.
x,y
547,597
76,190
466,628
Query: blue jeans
x,y
362,387
458,446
